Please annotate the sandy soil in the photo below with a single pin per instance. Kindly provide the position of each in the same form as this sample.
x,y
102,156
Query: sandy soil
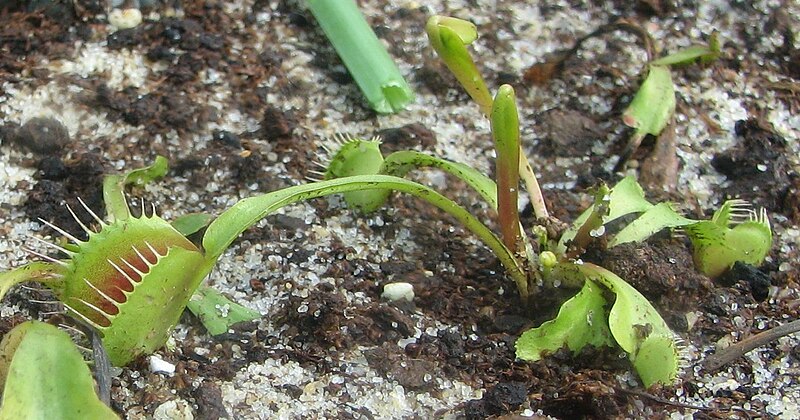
x,y
242,96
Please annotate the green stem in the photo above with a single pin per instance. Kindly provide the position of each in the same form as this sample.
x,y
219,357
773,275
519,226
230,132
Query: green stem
x,y
230,224
114,197
401,163
532,185
44,272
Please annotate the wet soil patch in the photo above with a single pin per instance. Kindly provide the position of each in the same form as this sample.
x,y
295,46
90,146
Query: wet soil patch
x,y
62,183
757,167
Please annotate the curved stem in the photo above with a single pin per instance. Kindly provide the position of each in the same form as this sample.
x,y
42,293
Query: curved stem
x,y
44,272
401,163
230,224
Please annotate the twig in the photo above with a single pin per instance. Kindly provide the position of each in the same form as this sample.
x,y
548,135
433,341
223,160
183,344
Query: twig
x,y
621,25
102,368
735,351
651,397
660,400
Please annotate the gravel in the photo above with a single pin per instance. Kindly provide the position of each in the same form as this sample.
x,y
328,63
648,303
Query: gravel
x,y
521,34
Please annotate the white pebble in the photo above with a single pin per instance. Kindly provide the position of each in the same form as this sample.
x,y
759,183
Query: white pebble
x,y
396,291
159,365
125,18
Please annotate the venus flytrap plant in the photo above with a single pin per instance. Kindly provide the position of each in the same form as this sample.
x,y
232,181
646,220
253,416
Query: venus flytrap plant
x,y
364,157
735,233
653,105
653,351
517,255
133,276
650,110
625,198
631,322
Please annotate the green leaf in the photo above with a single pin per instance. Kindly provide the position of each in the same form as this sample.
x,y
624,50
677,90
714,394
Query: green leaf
x,y
654,103
217,312
505,131
191,223
581,321
657,359
45,377
703,53
625,198
638,328
658,217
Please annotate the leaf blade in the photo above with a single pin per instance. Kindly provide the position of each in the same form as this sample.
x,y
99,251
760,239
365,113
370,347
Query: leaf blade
x,y
47,377
581,321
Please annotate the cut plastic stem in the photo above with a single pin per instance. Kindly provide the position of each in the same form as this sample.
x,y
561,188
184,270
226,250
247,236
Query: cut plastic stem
x,y
363,54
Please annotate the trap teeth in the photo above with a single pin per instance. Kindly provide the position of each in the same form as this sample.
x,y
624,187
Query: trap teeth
x,y
44,257
78,220
91,213
61,231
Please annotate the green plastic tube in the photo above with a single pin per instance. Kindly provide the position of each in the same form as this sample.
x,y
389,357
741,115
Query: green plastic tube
x,y
365,57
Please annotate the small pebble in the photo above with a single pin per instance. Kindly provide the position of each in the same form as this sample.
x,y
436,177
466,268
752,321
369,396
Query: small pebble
x,y
159,365
125,18
397,291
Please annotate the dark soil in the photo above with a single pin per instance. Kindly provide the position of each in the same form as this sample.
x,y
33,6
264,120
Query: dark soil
x,y
585,386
